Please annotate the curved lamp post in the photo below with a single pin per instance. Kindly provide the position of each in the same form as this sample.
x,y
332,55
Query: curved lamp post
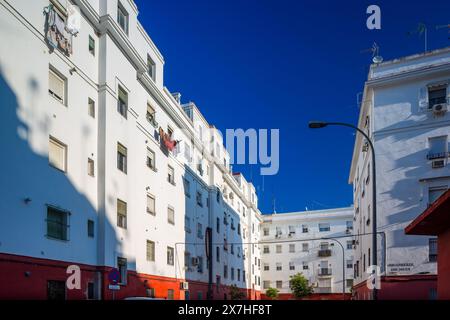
x,y
322,124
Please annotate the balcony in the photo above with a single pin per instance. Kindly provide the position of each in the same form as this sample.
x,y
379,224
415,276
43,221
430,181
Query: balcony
x,y
324,272
324,253
322,290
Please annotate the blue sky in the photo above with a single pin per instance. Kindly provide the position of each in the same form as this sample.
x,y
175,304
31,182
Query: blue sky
x,y
278,64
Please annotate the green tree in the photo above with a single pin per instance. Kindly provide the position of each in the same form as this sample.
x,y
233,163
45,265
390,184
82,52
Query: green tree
x,y
299,286
272,293
236,293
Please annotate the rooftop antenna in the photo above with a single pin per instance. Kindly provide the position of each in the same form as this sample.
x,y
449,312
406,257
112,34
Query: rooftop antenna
x,y
375,49
421,30
444,26
274,200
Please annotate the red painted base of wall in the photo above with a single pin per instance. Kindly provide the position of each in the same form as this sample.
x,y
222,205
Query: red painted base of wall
x,y
412,287
26,278
443,285
315,296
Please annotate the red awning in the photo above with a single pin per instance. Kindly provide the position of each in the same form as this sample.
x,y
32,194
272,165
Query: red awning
x,y
434,220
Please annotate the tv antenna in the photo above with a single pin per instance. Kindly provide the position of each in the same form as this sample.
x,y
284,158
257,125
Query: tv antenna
x,y
444,26
421,30
375,49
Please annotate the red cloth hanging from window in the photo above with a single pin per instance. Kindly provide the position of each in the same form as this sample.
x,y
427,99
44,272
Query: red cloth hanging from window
x,y
167,140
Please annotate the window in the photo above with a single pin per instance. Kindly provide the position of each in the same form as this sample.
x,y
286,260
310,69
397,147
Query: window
x,y
266,267
57,86
304,228
432,250
187,259
187,224
121,158
150,250
279,266
90,291
218,254
232,273
122,102
151,207
266,231
199,231
57,223
90,228
151,67
170,175
278,248
91,167
151,159
349,225
91,46
199,199
57,154
305,247
435,192
349,244
91,107
305,265
324,227
150,292
170,294
232,224
56,290
187,187
438,147
266,284
121,214
170,257
291,230
349,264
291,266
437,95
170,215
292,248
225,271
239,229
279,284
266,249
349,282
218,225
122,18
238,274
122,266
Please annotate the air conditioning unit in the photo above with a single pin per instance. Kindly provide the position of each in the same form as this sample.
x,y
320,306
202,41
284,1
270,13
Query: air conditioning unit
x,y
439,109
184,285
439,163
195,261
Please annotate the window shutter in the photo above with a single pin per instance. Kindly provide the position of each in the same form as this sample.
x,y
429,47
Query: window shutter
x,y
121,207
56,85
423,98
57,154
122,149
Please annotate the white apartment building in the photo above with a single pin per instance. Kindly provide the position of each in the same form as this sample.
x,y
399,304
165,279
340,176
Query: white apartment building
x,y
405,112
106,168
316,243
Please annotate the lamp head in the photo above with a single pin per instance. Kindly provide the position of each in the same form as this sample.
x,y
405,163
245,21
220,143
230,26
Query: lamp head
x,y
317,124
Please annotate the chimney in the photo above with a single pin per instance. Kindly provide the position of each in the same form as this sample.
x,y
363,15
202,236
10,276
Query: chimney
x,y
177,97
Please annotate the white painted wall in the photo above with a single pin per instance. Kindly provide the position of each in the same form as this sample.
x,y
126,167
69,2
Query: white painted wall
x,y
401,130
336,218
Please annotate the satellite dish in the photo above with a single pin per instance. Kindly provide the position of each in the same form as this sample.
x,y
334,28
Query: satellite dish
x,y
377,59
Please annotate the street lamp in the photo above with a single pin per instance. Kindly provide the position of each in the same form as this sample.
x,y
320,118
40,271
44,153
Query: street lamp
x,y
322,124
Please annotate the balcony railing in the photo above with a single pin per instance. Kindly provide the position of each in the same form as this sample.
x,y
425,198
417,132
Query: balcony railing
x,y
322,290
324,253
324,272
437,155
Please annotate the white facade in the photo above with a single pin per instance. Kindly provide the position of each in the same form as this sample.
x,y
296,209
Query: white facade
x,y
317,244
32,117
410,136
